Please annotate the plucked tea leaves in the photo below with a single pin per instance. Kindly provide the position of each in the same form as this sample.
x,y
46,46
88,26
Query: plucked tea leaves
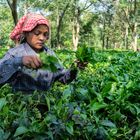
x,y
49,62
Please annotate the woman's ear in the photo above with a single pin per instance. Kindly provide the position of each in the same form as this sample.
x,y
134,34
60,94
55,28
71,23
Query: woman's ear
x,y
23,38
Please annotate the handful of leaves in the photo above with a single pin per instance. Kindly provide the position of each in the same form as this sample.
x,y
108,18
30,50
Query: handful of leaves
x,y
50,62
84,53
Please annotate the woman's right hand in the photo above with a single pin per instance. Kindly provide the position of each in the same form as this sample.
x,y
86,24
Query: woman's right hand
x,y
31,61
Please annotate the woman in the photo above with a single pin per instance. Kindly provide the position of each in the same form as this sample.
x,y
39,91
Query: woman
x,y
21,66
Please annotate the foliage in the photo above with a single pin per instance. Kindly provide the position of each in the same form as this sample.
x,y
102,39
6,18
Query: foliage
x,y
106,24
50,62
3,50
6,26
102,103
85,53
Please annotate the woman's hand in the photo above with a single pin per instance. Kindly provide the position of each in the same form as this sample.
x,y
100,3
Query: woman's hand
x,y
32,61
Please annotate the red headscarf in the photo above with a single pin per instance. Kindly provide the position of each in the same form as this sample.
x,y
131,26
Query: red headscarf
x,y
26,24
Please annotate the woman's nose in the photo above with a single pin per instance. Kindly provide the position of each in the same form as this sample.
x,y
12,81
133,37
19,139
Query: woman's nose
x,y
42,37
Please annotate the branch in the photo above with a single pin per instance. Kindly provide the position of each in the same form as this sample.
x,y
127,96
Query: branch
x,y
86,6
63,13
10,5
131,27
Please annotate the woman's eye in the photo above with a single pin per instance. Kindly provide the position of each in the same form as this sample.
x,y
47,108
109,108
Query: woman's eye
x,y
36,33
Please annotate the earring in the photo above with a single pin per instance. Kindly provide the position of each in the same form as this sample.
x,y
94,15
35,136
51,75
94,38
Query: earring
x,y
22,39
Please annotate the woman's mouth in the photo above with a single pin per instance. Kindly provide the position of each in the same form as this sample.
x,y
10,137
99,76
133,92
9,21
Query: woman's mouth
x,y
40,44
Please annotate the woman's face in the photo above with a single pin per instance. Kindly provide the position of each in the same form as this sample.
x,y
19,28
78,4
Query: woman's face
x,y
37,37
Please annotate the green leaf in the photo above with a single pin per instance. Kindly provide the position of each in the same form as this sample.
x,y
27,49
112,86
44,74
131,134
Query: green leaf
x,y
48,102
137,135
2,102
67,93
50,62
20,130
95,106
107,87
108,123
83,91
4,134
101,133
1,133
69,128
84,53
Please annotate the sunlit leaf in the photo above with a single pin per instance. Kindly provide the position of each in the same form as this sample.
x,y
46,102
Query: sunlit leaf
x,y
95,106
69,128
2,102
20,130
108,123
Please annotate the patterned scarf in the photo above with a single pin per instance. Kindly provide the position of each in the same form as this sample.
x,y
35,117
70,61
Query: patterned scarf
x,y
26,24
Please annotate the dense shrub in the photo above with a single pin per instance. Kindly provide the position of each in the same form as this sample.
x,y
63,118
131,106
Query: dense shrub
x,y
102,103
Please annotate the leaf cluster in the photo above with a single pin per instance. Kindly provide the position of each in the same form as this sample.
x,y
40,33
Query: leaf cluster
x,y
50,62
85,53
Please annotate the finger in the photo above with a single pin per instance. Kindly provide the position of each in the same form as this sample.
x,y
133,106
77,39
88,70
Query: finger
x,y
39,61
26,61
29,61
36,62
28,65
33,65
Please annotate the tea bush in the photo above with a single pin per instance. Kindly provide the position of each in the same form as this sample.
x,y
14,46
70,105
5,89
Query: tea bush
x,y
102,103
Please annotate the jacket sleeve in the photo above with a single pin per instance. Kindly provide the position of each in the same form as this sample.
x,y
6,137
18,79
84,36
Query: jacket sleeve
x,y
65,76
69,76
9,64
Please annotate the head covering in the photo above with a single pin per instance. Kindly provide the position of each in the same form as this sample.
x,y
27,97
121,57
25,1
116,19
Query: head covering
x,y
26,24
